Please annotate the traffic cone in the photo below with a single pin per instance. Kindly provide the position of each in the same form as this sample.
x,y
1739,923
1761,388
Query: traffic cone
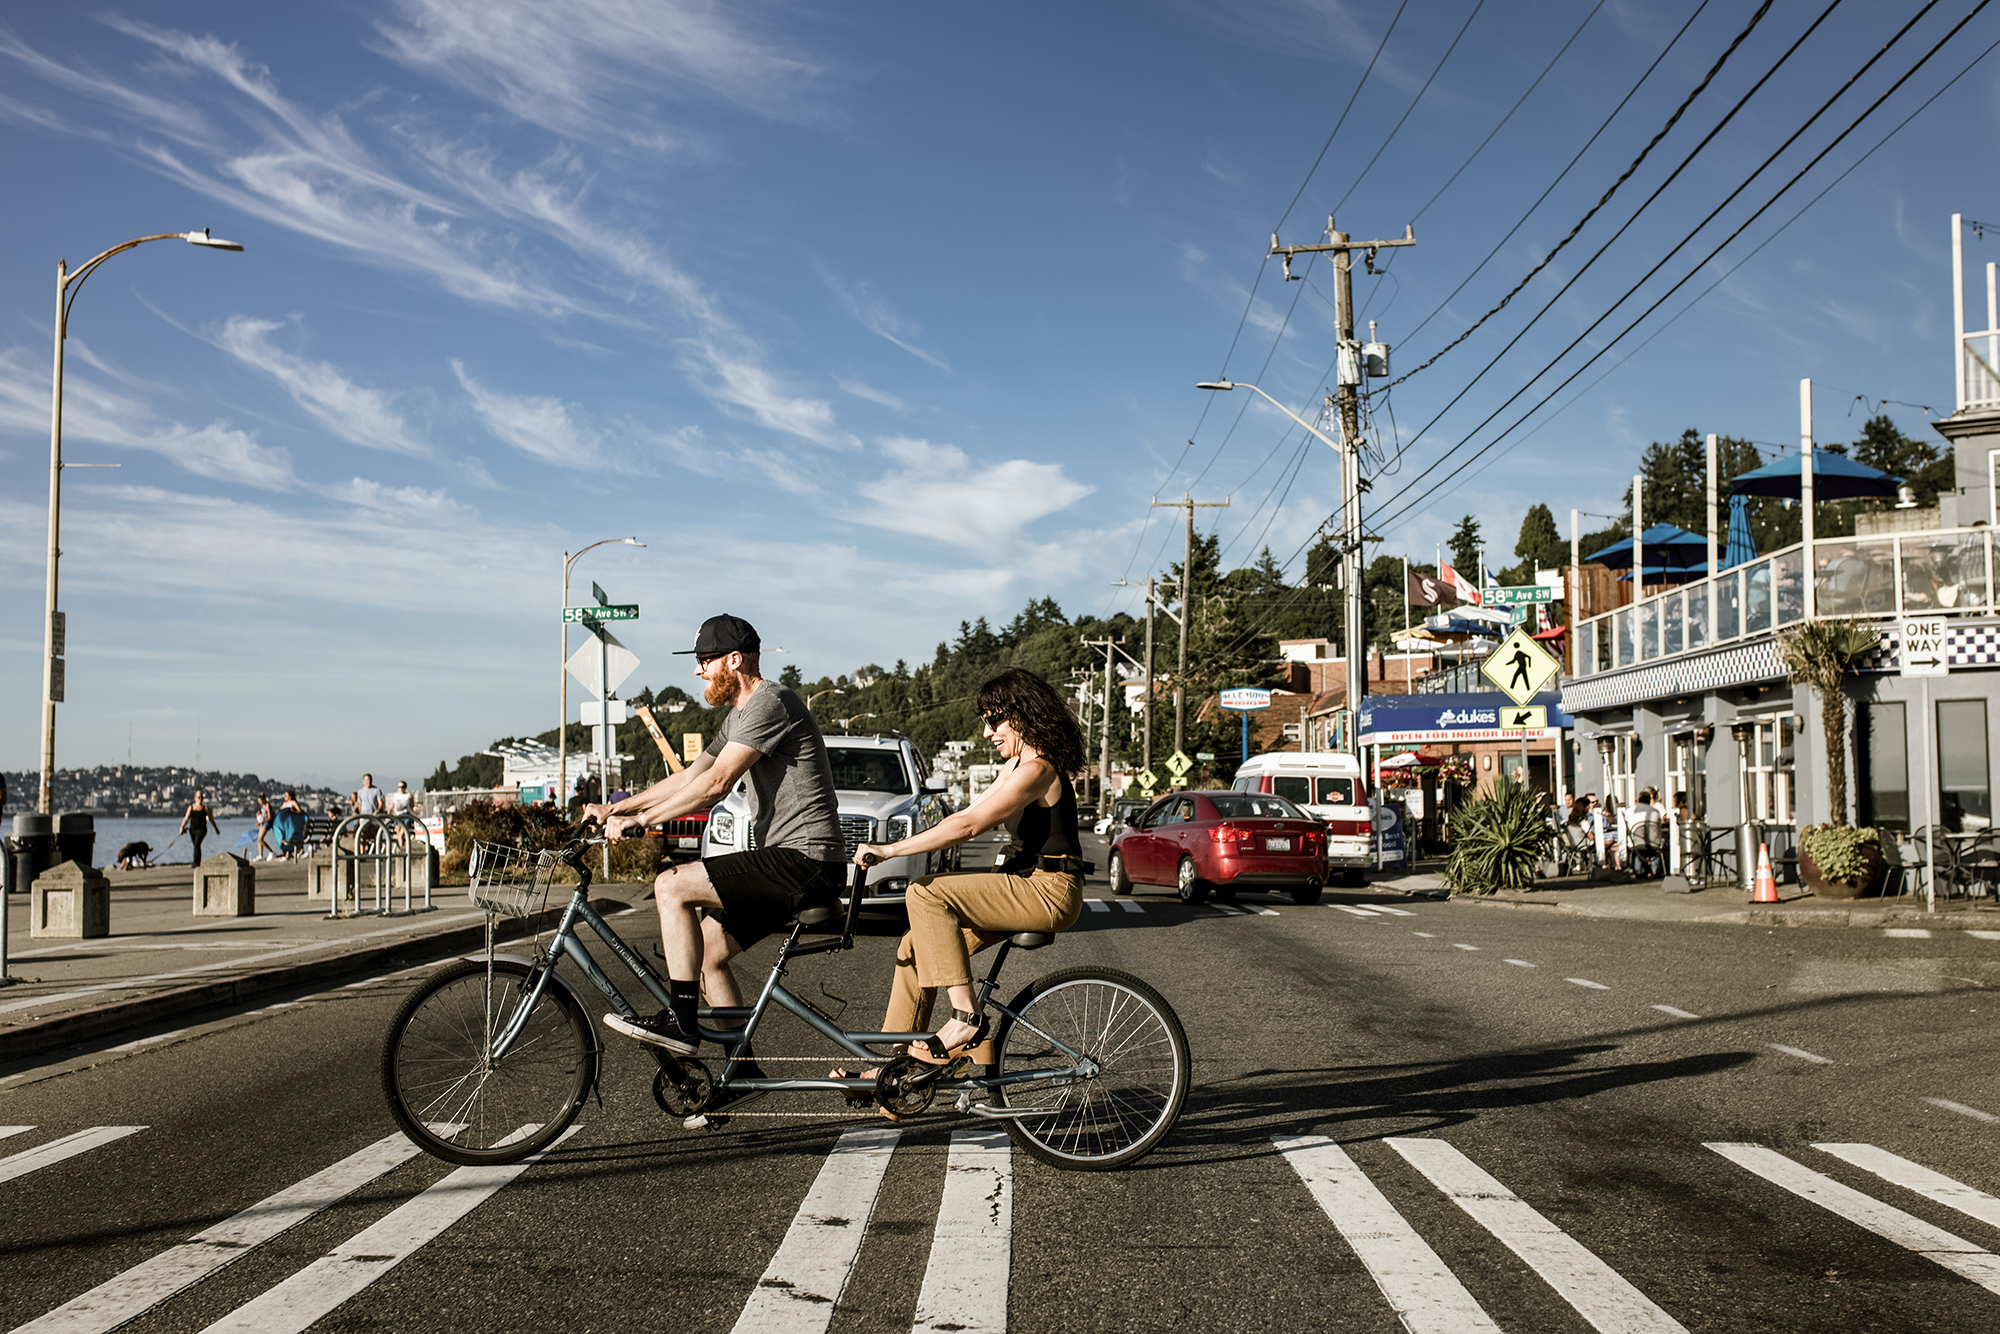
x,y
1767,884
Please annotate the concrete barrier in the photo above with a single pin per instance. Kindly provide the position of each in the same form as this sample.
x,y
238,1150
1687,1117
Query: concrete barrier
x,y
225,885
320,873
70,901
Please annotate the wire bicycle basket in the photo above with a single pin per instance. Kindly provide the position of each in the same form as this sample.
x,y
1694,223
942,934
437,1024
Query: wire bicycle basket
x,y
511,880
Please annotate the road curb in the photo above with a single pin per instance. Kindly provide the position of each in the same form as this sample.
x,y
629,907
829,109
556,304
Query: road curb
x,y
62,1030
1872,919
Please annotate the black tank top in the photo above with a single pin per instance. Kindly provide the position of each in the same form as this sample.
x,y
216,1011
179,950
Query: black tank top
x,y
1044,831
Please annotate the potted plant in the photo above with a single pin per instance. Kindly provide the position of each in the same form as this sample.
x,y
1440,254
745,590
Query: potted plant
x,y
1836,862
1497,841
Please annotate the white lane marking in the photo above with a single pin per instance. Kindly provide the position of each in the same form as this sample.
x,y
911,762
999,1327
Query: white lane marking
x,y
1357,912
1931,1185
972,1250
1518,963
1098,905
1427,935
83,1141
1599,1294
1675,1012
1984,935
805,1278
1907,932
1912,1233
1962,1109
1131,905
1800,1052
1394,912
137,1043
1226,909
1457,946
5,1131
132,983
1260,910
315,1291
147,1284
1586,982
1426,1296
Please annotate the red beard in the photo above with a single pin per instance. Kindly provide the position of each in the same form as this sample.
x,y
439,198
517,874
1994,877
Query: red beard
x,y
720,690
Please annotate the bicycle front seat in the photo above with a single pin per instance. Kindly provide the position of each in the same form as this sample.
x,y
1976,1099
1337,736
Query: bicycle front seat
x,y
1032,940
818,916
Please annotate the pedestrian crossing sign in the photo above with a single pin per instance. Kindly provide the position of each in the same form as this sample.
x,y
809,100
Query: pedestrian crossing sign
x,y
1147,781
1520,667
1178,764
1530,717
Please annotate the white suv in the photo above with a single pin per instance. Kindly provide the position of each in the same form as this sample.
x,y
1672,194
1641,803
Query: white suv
x,y
886,793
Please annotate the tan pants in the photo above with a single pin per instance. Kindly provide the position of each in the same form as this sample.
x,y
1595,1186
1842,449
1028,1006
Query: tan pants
x,y
953,917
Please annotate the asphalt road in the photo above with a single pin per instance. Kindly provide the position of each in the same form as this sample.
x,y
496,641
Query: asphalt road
x,y
1478,1114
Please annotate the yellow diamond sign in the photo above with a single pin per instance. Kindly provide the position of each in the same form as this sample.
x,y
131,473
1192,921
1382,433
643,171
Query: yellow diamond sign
x,y
1178,764
1520,667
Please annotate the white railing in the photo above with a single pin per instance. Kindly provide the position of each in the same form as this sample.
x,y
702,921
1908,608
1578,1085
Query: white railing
x,y
1936,572
1980,353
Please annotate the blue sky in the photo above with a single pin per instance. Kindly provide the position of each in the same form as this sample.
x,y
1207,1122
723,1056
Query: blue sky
x,y
868,319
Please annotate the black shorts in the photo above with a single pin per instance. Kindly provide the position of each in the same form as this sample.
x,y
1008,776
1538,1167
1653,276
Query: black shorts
x,y
761,890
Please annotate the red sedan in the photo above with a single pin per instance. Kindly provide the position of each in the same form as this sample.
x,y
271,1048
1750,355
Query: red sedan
x,y
1222,841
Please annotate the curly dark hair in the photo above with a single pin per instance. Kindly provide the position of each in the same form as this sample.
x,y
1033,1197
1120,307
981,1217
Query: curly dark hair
x,y
1038,714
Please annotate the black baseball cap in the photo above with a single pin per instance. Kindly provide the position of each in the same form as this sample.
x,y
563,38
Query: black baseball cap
x,y
724,634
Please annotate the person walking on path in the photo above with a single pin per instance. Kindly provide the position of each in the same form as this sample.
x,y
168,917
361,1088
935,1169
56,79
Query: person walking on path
x,y
197,822
367,800
264,817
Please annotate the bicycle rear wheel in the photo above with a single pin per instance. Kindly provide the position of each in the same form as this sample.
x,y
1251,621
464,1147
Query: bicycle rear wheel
x,y
1117,1115
452,1099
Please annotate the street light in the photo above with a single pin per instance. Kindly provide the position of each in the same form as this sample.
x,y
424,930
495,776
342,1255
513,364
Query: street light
x,y
830,690
562,669
847,724
1228,384
52,660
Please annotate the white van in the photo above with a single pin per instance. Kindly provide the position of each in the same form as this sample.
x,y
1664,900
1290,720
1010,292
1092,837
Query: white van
x,y
1327,784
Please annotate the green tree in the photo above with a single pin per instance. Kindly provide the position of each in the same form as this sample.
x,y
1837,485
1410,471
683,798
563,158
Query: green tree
x,y
1465,546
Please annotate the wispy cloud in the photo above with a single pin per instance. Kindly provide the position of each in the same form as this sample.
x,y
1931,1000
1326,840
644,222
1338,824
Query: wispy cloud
x,y
539,426
596,69
729,371
939,492
356,414
870,393
97,415
874,315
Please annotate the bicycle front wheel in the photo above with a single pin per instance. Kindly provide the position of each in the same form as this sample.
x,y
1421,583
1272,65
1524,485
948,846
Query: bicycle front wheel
x,y
452,1098
1116,1115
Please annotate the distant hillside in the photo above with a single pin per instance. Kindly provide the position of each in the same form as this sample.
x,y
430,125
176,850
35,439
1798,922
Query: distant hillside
x,y
140,790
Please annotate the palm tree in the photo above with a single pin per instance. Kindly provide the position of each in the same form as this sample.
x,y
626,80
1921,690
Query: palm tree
x,y
1821,654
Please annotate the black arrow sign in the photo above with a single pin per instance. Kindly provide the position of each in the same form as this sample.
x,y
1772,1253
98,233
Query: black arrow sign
x,y
1923,662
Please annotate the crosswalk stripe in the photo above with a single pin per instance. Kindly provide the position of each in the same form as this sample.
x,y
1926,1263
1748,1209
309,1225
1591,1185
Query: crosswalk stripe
x,y
1676,1012
145,1285
1260,910
5,1131
1131,905
1394,912
1423,1292
1226,908
1599,1294
1931,1185
1984,935
1518,963
315,1291
83,1141
1098,905
1800,1052
805,1278
965,1282
1586,982
1358,912
1892,1224
1907,933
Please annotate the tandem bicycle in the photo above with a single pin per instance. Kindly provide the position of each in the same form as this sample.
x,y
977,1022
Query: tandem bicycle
x,y
493,1056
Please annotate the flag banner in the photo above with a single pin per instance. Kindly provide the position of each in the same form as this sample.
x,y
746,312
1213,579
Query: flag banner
x,y
1461,588
1427,590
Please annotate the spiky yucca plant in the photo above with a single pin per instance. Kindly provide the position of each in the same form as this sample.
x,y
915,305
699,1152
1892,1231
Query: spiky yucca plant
x,y
1497,841
1821,654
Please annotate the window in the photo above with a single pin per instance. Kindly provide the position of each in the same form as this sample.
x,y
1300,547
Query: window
x,y
1965,797
1887,755
1767,771
1336,792
1255,807
869,770
1292,788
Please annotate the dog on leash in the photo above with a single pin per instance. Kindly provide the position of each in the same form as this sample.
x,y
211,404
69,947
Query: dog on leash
x,y
135,856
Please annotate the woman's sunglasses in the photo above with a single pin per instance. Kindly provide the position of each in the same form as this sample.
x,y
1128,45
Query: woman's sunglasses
x,y
992,720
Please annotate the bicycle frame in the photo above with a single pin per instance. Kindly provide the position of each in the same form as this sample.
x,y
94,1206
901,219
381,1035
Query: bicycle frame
x,y
566,943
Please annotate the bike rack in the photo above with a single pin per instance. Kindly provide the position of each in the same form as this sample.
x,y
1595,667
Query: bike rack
x,y
392,843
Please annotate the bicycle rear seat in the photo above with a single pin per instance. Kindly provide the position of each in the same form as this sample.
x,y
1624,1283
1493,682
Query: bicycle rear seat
x,y
1031,940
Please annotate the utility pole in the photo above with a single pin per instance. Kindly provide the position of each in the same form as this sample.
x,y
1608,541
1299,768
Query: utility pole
x,y
1146,740
1190,504
1111,652
1352,368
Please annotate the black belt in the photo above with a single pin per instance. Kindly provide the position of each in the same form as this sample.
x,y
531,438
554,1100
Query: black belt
x,y
1075,864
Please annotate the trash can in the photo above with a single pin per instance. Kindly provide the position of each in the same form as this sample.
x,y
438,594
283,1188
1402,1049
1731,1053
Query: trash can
x,y
76,838
31,851
1749,837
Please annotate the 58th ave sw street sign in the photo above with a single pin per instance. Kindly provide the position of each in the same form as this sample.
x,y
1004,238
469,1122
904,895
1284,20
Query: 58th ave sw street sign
x,y
1922,647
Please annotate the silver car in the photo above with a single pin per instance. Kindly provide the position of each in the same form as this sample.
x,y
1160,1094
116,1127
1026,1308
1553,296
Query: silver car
x,y
886,793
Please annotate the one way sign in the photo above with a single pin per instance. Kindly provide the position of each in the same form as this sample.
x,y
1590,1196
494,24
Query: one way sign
x,y
1922,649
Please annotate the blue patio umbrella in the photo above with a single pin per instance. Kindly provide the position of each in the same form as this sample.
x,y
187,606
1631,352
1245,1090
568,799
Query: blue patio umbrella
x,y
1835,477
1667,547
1739,547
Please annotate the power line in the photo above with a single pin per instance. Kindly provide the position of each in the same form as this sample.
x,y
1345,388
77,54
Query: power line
x,y
1692,273
1380,47
1413,105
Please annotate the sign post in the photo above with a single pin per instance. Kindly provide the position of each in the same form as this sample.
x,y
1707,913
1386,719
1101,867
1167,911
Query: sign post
x,y
1245,699
1920,652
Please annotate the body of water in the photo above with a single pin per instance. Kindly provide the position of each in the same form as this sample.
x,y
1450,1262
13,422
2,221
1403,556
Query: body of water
x,y
114,833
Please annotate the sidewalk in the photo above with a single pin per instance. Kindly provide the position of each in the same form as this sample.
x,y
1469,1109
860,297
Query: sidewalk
x,y
1645,900
161,961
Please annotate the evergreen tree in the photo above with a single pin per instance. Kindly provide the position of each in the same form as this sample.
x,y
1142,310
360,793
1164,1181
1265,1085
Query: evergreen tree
x,y
1464,545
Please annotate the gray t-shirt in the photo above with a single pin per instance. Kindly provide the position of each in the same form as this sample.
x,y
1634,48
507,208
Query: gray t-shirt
x,y
792,803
